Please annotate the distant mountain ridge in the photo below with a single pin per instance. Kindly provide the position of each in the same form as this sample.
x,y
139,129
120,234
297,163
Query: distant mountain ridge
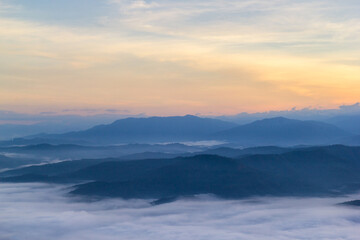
x,y
152,129
350,123
283,131
273,131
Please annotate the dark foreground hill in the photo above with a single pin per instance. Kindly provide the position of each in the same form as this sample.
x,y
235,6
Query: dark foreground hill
x,y
315,171
302,172
188,176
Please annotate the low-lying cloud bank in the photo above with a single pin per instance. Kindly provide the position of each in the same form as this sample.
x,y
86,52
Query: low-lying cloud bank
x,y
42,212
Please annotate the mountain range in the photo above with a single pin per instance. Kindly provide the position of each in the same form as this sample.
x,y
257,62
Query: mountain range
x,y
273,131
153,129
310,171
283,131
72,151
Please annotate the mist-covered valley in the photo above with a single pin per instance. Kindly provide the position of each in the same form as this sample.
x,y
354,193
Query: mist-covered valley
x,y
37,211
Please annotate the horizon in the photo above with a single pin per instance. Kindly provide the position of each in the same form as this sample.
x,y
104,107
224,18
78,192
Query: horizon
x,y
340,109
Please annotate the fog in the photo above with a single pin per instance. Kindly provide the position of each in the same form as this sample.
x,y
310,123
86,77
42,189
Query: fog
x,y
42,211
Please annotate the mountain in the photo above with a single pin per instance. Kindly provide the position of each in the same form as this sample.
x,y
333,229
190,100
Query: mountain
x,y
352,140
328,168
235,152
350,123
13,162
315,171
17,125
39,139
283,131
272,131
71,151
153,129
186,176
54,169
311,171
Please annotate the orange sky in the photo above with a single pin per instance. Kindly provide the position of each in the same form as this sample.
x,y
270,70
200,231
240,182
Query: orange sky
x,y
171,57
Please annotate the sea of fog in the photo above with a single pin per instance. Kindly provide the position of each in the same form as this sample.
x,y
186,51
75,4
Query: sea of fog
x,y
43,212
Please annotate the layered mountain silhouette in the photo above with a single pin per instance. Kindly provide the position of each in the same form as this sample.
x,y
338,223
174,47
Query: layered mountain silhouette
x,y
70,151
312,171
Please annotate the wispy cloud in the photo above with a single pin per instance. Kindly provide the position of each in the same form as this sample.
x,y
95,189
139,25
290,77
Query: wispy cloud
x,y
297,22
9,8
183,56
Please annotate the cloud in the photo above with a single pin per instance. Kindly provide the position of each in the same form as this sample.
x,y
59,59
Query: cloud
x,y
288,23
8,8
355,106
40,212
177,57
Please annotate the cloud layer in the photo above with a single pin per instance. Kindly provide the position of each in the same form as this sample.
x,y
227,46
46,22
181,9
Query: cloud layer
x,y
41,212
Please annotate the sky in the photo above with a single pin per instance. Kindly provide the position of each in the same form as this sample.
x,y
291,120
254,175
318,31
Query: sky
x,y
167,57
40,212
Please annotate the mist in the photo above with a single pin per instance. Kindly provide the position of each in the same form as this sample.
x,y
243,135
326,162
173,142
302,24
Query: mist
x,y
45,211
